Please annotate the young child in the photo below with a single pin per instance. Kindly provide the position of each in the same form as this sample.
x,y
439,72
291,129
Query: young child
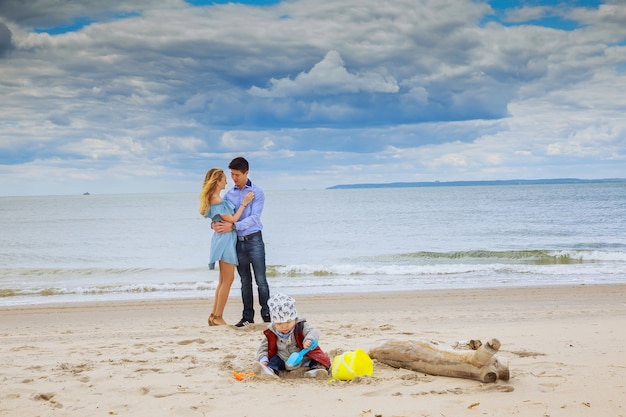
x,y
288,333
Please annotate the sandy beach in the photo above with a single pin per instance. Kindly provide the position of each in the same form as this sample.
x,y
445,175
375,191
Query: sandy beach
x,y
566,348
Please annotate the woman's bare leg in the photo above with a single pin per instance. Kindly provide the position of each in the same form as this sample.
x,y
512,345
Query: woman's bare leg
x,y
227,276
215,302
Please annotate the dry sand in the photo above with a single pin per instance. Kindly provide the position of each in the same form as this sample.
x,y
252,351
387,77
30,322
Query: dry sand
x,y
565,346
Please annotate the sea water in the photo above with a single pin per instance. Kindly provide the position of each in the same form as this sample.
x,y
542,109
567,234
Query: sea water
x,y
142,246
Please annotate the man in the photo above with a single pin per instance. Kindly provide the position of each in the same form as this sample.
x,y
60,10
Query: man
x,y
250,245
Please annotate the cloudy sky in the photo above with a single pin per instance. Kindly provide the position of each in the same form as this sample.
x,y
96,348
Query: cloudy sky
x,y
124,96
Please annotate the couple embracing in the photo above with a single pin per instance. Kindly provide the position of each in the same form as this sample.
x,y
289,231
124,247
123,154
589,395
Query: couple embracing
x,y
237,240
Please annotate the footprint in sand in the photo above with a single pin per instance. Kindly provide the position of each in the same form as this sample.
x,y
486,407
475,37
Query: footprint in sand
x,y
190,341
75,369
24,347
526,353
497,387
459,391
49,397
149,370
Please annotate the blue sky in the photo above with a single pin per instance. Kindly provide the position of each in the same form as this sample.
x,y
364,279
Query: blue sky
x,y
146,95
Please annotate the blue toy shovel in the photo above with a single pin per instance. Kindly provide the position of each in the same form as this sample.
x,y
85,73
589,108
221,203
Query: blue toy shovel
x,y
296,357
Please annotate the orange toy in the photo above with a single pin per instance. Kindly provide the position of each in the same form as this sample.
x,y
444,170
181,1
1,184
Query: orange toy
x,y
239,376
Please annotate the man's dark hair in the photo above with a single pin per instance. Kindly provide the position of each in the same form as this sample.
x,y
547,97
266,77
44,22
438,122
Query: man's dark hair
x,y
239,164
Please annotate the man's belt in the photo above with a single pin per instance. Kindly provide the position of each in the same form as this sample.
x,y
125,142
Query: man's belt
x,y
249,237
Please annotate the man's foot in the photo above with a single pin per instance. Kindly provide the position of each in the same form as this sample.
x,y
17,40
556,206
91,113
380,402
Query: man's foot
x,y
267,319
244,323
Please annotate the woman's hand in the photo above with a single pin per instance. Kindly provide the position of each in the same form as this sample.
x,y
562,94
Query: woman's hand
x,y
248,198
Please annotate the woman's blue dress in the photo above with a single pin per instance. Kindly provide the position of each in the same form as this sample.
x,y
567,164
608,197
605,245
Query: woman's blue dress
x,y
222,245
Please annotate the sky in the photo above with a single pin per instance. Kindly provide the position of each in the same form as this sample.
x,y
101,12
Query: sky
x,y
144,96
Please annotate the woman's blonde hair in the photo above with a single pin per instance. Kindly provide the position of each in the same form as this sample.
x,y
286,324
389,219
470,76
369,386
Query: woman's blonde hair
x,y
209,186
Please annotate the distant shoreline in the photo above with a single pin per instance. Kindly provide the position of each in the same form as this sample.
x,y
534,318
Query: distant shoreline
x,y
474,183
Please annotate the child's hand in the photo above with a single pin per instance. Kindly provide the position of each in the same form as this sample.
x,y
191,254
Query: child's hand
x,y
306,344
264,363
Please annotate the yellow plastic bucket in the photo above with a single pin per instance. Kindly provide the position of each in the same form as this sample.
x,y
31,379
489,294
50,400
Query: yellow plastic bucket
x,y
352,364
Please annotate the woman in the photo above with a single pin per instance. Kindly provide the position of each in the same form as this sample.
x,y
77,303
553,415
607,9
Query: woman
x,y
222,245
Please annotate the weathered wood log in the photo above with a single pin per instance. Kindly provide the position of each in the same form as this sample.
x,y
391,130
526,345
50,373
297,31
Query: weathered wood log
x,y
434,358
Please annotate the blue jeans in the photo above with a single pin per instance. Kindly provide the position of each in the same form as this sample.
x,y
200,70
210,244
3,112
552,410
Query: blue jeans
x,y
252,253
276,364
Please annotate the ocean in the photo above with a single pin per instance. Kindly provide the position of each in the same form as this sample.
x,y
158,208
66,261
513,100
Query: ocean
x,y
145,246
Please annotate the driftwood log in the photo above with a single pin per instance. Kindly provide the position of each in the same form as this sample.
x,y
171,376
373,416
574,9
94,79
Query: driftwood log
x,y
472,360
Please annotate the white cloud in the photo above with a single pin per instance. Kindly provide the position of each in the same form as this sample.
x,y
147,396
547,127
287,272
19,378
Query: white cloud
x,y
309,90
328,77
526,13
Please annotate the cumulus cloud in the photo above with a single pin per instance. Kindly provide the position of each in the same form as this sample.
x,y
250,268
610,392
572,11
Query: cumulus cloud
x,y
50,13
524,14
6,43
441,88
329,77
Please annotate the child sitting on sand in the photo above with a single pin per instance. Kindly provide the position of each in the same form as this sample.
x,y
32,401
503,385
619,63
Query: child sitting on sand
x,y
287,333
